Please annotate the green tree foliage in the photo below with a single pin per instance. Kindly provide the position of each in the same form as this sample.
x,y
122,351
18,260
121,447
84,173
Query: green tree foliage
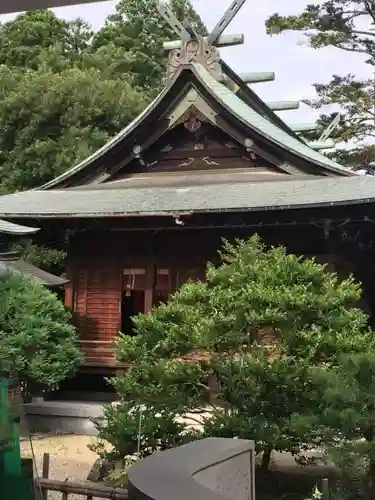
x,y
346,411
244,344
347,26
50,120
24,41
38,344
138,29
65,92
46,257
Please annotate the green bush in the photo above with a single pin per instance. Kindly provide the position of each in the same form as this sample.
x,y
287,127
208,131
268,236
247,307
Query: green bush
x,y
38,344
255,346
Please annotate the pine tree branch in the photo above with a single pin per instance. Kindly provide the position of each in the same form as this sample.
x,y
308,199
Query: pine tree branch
x,y
370,10
364,33
199,422
337,44
354,15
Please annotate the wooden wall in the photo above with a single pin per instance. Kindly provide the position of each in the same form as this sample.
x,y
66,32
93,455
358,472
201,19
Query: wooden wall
x,y
101,272
103,264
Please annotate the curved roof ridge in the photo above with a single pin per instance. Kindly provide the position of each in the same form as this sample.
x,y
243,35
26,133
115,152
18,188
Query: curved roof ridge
x,y
258,101
108,145
262,125
242,111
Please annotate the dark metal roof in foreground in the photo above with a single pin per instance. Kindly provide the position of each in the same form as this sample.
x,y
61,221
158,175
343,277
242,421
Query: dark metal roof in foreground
x,y
10,6
143,201
11,261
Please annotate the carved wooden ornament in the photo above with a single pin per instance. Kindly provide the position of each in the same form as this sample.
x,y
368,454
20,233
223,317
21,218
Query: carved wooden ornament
x,y
192,122
195,51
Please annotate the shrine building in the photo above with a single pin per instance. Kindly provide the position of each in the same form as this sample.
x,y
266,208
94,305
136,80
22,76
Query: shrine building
x,y
208,159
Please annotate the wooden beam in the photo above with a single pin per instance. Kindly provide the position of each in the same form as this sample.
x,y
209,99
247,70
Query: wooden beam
x,y
331,128
303,127
282,105
150,285
223,41
172,20
87,489
281,165
328,144
45,473
225,20
160,130
252,147
217,152
267,76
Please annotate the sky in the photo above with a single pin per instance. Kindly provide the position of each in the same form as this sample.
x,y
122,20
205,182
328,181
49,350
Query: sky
x,y
296,66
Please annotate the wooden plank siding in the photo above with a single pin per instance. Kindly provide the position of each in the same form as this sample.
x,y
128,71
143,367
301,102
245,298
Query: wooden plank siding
x,y
103,264
97,297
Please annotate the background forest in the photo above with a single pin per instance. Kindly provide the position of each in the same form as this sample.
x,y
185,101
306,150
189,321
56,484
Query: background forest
x,y
349,27
65,91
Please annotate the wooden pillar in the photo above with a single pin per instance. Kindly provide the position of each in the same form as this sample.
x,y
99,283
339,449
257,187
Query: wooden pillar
x,y
69,289
150,285
150,274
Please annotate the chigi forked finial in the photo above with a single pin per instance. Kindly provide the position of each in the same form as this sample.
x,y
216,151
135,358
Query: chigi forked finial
x,y
191,47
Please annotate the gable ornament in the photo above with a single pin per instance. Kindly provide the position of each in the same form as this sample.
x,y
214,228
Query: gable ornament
x,y
192,122
195,51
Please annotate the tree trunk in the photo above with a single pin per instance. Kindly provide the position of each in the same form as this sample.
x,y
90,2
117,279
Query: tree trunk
x,y
266,459
213,384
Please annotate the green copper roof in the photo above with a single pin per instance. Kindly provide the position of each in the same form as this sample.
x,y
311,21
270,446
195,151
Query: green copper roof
x,y
266,125
262,125
252,99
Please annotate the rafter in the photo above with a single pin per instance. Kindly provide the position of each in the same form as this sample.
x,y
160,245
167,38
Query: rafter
x,y
171,19
223,41
282,105
331,128
224,22
186,32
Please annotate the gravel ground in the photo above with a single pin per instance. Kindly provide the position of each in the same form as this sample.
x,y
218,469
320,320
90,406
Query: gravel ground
x,y
70,458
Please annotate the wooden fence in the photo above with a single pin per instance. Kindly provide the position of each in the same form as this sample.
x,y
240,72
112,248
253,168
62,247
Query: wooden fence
x,y
87,489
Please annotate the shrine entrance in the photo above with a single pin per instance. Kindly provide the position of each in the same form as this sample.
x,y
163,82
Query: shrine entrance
x,y
132,303
132,297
